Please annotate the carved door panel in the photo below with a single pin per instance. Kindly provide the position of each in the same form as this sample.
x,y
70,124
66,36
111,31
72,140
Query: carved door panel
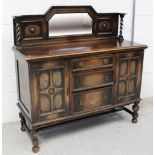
x,y
130,69
52,86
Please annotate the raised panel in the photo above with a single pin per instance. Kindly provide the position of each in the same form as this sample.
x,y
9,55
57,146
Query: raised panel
x,y
122,88
92,79
132,66
45,103
57,78
105,26
32,29
93,99
44,80
123,67
132,86
57,101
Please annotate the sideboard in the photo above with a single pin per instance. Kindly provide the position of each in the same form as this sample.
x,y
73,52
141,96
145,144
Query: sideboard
x,y
70,77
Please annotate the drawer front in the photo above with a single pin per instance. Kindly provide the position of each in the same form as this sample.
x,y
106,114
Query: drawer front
x,y
90,80
90,63
91,100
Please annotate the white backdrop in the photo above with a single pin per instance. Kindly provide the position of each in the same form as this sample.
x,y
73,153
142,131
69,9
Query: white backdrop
x,y
143,34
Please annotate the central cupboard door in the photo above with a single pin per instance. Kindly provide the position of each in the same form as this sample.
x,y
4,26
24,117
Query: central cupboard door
x,y
50,90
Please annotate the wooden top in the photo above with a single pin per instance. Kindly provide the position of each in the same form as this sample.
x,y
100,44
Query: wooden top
x,y
73,49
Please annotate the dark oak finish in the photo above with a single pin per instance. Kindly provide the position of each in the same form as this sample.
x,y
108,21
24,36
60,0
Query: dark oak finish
x,y
61,79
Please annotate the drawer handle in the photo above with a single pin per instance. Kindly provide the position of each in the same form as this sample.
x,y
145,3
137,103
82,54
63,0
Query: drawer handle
x,y
105,61
106,77
80,64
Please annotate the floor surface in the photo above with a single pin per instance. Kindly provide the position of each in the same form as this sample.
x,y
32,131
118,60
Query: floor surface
x,y
111,134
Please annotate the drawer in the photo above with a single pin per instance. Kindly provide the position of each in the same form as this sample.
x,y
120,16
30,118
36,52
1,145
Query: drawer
x,y
92,79
91,63
92,99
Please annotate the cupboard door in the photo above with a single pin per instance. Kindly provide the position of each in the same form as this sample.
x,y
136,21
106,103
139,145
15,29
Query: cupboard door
x,y
129,78
52,84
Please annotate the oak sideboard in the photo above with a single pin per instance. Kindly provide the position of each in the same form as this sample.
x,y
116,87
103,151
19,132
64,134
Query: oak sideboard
x,y
65,78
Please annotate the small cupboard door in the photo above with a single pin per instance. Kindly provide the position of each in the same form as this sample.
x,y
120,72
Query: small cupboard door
x,y
50,81
129,76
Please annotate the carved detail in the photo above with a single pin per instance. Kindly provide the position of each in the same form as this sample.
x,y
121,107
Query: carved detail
x,y
18,32
120,37
135,109
32,29
35,143
127,77
104,26
51,90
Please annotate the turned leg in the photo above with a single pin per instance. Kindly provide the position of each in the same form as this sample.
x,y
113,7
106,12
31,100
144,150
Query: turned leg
x,y
34,137
135,109
22,121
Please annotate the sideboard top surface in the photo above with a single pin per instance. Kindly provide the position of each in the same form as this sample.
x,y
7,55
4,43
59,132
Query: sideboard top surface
x,y
37,52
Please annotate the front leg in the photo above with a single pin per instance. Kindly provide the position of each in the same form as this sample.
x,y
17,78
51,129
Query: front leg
x,y
34,137
135,109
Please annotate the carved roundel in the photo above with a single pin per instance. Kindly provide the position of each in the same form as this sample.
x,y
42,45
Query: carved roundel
x,y
104,26
32,30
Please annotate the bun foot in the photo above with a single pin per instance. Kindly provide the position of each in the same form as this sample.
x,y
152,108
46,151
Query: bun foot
x,y
35,149
134,120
